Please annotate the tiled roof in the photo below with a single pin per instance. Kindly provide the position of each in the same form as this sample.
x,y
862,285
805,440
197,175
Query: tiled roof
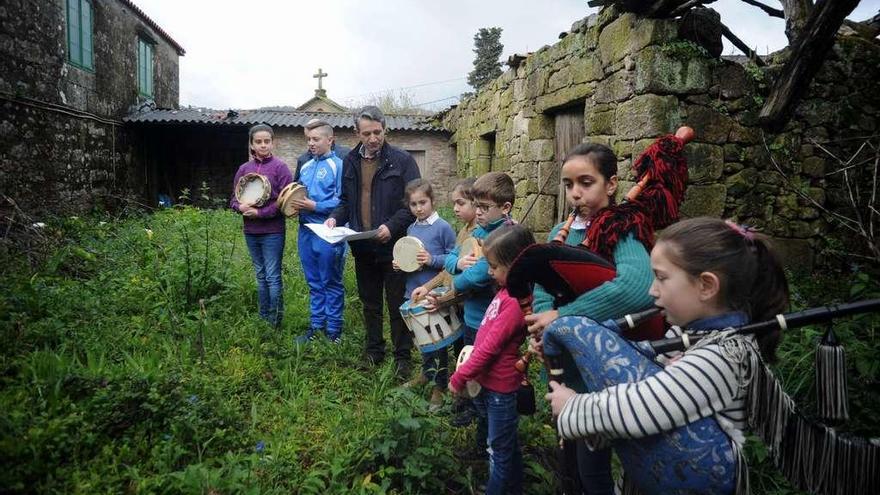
x,y
152,24
275,118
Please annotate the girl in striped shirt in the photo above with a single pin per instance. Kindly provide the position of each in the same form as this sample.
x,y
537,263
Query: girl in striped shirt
x,y
676,420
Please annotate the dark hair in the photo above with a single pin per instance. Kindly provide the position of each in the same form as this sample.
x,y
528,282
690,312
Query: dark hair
x,y
418,185
751,276
599,154
465,187
496,186
506,242
369,112
260,128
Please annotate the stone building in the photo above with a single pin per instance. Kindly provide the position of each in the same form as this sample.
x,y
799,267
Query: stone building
x,y
70,71
187,147
622,81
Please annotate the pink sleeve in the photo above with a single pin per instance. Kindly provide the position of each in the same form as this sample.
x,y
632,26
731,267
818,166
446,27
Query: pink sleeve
x,y
499,331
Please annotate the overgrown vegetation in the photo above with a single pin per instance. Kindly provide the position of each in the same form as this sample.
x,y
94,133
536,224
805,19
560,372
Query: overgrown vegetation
x,y
132,361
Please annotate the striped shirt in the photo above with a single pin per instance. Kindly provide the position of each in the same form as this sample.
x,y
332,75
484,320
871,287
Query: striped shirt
x,y
701,382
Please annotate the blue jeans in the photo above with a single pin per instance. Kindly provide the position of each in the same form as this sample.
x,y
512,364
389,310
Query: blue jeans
x,y
322,264
435,367
497,422
266,251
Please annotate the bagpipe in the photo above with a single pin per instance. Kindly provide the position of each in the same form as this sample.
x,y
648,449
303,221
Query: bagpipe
x,y
811,455
566,272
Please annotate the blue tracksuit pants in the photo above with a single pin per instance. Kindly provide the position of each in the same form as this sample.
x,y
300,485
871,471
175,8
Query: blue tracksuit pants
x,y
322,264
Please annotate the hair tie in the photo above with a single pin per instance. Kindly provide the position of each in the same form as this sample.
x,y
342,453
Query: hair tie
x,y
745,231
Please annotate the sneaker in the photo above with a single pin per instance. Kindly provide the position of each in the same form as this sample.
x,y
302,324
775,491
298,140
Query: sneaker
x,y
416,382
336,339
403,370
310,336
436,401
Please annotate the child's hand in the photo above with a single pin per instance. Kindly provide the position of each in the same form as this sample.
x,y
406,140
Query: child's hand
x,y
536,346
558,396
537,322
466,262
418,293
330,223
304,204
454,391
395,265
424,258
430,302
247,210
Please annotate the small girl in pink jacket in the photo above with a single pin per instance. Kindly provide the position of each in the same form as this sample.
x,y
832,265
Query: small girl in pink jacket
x,y
491,364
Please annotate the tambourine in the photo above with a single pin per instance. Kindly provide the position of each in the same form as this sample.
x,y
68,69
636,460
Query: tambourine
x,y
473,246
291,192
253,189
405,251
472,388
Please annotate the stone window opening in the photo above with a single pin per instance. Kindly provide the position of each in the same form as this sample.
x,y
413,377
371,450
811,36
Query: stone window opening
x,y
80,51
486,154
145,66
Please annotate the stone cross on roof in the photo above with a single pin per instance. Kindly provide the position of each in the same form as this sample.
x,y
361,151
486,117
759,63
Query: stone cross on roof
x,y
320,76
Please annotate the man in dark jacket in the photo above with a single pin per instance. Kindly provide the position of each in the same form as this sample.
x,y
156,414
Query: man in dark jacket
x,y
375,175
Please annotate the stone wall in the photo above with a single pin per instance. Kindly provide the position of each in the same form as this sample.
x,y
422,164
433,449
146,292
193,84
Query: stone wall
x,y
635,79
62,145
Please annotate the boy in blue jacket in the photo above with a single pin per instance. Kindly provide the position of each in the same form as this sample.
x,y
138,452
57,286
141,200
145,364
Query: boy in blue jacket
x,y
322,262
494,195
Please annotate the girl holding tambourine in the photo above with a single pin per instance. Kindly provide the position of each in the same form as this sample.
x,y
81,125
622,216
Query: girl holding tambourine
x,y
255,190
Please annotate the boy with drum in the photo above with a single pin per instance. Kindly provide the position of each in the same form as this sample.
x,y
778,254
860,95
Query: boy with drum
x,y
264,225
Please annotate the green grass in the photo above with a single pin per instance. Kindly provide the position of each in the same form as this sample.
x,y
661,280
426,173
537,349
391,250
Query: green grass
x,y
114,379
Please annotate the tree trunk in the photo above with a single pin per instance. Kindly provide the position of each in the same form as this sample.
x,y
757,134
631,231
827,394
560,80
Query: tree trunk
x,y
797,12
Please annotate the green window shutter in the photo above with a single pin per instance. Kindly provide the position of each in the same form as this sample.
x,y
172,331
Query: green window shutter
x,y
149,71
86,38
145,68
74,53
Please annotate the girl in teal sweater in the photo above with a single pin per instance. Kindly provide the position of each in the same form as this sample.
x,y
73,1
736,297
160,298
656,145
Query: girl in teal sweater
x,y
589,176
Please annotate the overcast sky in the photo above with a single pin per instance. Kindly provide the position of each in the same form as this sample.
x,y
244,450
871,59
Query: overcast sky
x,y
264,52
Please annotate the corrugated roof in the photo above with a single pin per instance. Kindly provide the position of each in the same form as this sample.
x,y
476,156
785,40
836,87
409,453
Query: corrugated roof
x,y
275,118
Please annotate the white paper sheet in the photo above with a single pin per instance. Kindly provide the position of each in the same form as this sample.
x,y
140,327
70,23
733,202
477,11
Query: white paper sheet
x,y
338,234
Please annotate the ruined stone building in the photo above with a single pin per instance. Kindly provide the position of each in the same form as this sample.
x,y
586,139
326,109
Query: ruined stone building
x,y
623,80
70,71
90,115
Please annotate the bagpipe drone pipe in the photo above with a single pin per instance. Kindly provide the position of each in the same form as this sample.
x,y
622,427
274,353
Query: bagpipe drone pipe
x,y
811,455
566,271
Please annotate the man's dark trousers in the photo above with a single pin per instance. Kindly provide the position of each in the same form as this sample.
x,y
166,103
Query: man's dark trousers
x,y
372,277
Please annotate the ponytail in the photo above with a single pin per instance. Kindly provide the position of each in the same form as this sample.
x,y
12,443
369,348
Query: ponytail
x,y
751,275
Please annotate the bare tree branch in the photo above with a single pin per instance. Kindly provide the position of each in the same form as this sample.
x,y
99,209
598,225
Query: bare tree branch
x,y
766,8
741,45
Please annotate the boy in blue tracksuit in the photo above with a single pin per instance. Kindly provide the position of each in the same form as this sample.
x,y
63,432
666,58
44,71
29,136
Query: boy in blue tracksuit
x,y
322,262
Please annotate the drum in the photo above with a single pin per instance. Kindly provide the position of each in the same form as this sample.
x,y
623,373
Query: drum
x,y
253,189
431,330
472,388
285,199
405,251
